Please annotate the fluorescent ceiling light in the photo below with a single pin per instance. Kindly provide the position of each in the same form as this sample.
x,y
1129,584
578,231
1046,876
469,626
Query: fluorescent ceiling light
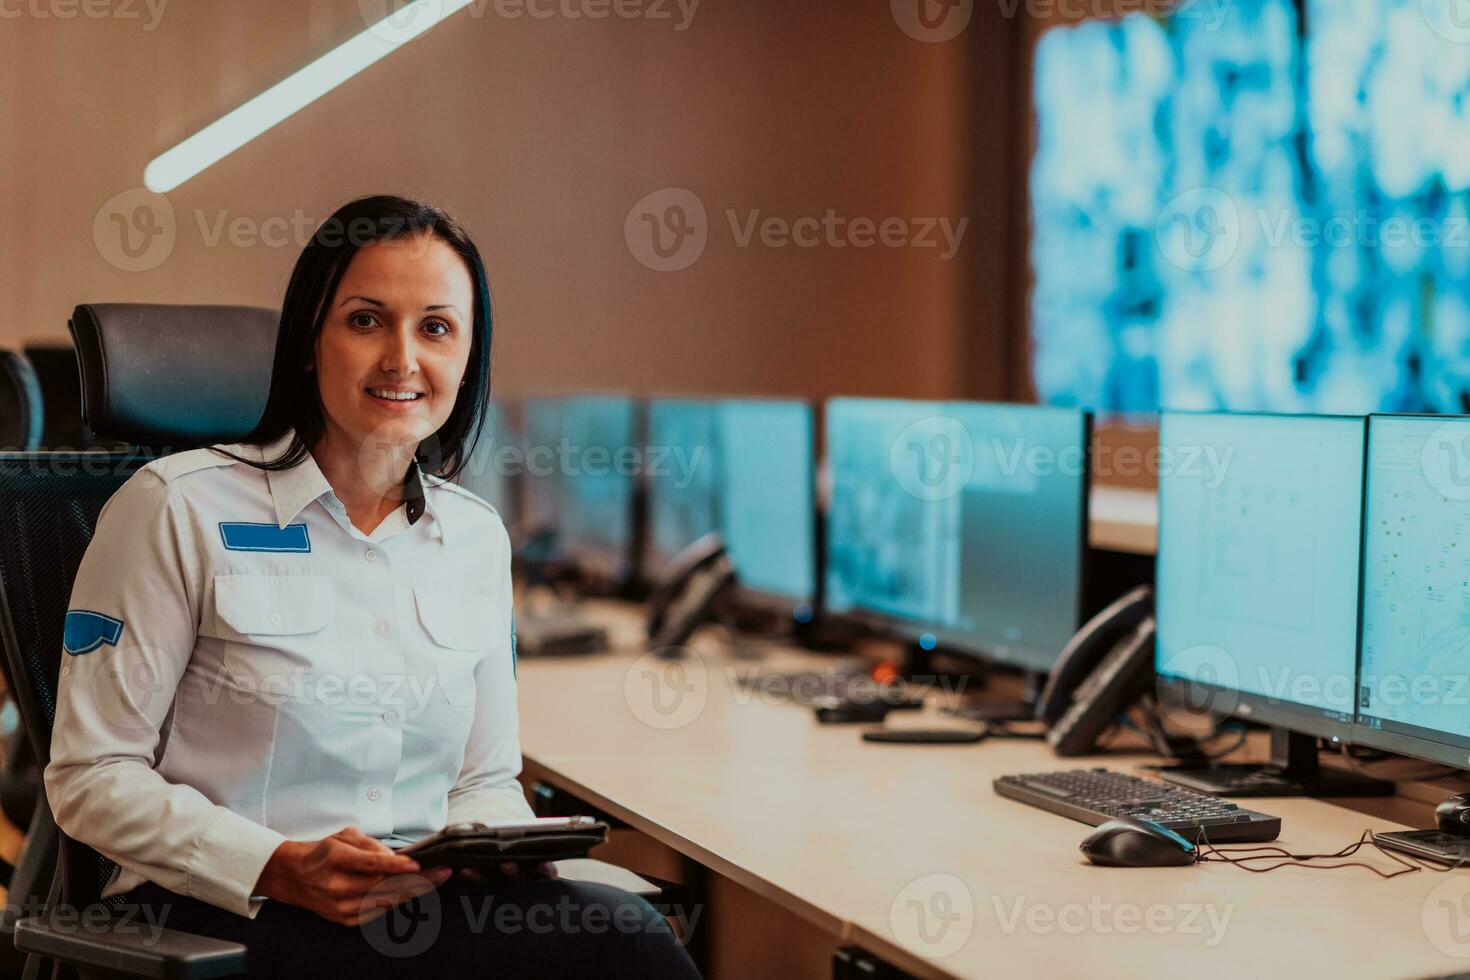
x,y
234,129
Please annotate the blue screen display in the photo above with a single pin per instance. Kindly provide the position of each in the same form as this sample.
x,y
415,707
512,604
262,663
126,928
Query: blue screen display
x,y
743,468
494,467
1259,528
581,461
1237,207
959,522
1416,578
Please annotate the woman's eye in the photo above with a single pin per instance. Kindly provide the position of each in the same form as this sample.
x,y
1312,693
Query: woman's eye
x,y
437,328
362,320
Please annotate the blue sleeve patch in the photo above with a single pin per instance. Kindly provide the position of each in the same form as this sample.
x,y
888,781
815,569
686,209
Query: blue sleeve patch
x,y
513,644
265,537
85,631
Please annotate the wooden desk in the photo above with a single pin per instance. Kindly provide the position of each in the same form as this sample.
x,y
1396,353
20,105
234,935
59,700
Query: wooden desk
x,y
849,835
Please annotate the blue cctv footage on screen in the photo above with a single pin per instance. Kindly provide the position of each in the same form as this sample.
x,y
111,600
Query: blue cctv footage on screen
x,y
1236,208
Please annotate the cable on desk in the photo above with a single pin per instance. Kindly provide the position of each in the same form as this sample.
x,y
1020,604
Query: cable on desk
x,y
1153,733
1408,864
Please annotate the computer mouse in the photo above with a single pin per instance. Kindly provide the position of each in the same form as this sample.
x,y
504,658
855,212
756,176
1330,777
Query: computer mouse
x,y
1453,815
1127,843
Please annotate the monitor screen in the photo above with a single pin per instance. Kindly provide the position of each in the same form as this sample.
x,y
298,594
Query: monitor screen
x,y
1416,584
581,461
540,436
1260,520
494,467
744,468
679,474
961,524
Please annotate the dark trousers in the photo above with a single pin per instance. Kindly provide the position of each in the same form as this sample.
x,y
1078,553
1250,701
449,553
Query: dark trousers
x,y
504,929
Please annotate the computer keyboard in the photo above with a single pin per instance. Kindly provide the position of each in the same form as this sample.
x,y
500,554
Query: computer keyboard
x,y
1095,796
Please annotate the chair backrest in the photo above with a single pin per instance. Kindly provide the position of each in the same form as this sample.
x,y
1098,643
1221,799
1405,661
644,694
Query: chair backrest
x,y
49,504
49,501
20,403
61,396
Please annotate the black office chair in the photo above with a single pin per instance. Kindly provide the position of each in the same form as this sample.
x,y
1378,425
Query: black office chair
x,y
20,403
61,396
162,377
25,418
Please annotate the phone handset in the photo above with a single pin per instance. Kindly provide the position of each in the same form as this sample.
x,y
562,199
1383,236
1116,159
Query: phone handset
x,y
687,593
1102,670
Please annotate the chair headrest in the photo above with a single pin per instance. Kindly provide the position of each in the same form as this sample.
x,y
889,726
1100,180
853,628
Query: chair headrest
x,y
173,376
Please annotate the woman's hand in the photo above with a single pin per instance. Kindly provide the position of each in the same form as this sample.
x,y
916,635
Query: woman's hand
x,y
348,878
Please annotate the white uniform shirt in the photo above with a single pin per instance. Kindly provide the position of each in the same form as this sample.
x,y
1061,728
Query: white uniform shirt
x,y
243,666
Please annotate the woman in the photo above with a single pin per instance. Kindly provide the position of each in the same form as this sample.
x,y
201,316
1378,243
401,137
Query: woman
x,y
286,657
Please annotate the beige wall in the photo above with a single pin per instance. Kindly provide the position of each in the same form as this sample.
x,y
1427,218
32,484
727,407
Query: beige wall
x,y
541,135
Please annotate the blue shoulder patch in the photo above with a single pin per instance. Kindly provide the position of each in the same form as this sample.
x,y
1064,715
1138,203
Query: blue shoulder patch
x,y
513,644
85,631
265,537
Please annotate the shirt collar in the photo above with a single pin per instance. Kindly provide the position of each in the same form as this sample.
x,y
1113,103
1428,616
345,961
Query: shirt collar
x,y
292,489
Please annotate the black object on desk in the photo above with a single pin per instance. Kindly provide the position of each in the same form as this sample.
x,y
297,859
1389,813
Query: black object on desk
x,y
1127,843
839,710
1292,771
559,636
1096,796
1450,842
923,736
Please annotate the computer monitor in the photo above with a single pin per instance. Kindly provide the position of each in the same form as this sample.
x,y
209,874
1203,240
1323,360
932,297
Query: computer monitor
x,y
582,457
743,468
1257,584
1414,671
680,479
494,468
960,525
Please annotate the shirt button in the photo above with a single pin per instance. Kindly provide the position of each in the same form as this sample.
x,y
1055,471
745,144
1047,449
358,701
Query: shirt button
x,y
372,794
380,627
371,555
275,619
389,716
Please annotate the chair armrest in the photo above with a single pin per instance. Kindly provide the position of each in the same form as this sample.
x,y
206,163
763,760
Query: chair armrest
x,y
134,947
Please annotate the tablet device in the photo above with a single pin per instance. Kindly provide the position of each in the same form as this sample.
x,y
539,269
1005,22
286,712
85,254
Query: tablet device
x,y
485,846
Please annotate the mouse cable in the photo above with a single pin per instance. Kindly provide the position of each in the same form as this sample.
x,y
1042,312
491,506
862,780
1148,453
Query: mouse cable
x,y
1241,857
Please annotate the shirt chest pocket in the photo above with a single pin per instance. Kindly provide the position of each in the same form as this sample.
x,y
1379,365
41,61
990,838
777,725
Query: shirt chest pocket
x,y
460,628
279,632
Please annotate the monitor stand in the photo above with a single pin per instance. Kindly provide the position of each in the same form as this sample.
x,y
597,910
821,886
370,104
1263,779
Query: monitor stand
x,y
1292,771
1022,708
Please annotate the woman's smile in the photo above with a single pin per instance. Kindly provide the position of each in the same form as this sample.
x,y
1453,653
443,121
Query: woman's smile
x,y
396,400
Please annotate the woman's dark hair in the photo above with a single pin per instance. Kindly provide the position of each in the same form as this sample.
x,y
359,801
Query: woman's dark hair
x,y
295,401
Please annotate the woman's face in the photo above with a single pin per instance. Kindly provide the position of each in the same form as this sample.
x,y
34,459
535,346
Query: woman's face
x,y
396,342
